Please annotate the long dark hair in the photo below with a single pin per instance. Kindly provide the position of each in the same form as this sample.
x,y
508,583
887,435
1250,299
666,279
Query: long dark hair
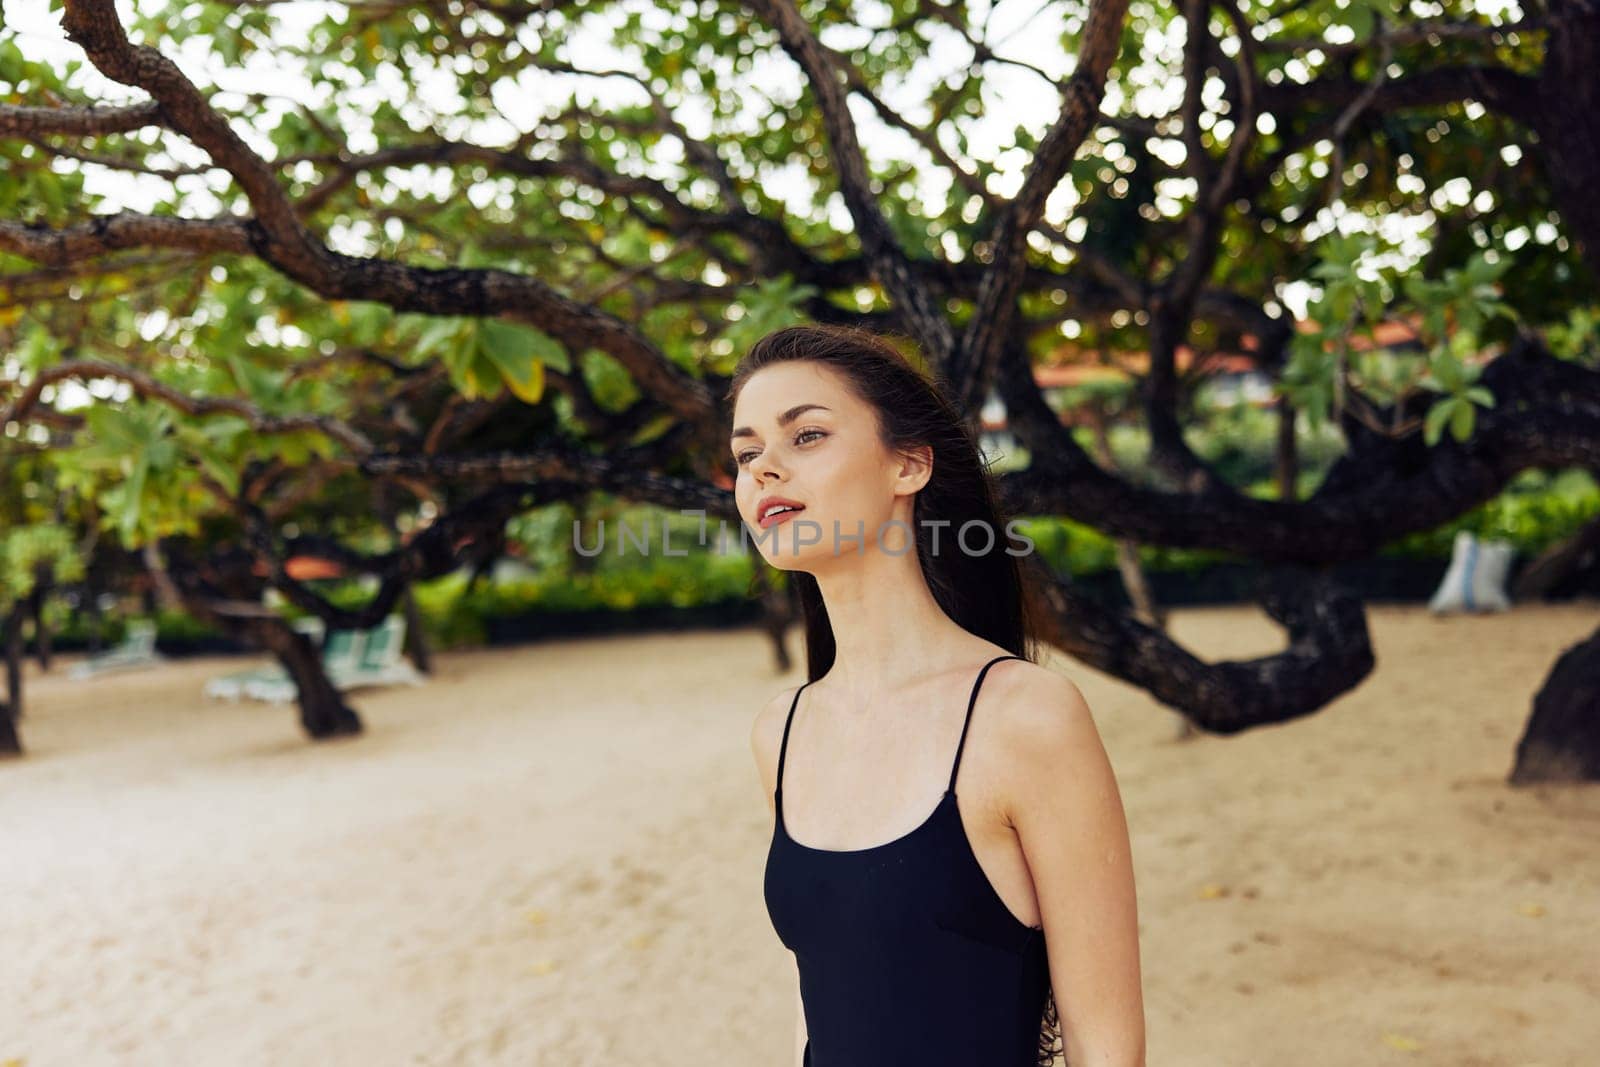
x,y
983,592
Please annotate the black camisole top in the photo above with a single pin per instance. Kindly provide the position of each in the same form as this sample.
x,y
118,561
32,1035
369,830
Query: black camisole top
x,y
907,957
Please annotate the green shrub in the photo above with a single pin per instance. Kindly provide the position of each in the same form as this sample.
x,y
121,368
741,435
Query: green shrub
x,y
1071,548
457,616
1536,510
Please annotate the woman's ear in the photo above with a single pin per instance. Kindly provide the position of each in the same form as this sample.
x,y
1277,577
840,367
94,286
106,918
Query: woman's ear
x,y
915,467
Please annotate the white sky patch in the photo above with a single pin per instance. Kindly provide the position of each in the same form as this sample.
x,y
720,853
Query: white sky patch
x,y
1013,96
71,395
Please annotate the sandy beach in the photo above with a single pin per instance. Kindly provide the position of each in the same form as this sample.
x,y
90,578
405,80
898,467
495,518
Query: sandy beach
x,y
552,855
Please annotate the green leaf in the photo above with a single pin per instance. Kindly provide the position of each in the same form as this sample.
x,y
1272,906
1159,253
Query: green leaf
x,y
1446,374
215,464
1479,271
512,337
473,373
1433,425
519,354
40,350
653,429
263,385
1464,344
1359,18
129,506
369,321
440,332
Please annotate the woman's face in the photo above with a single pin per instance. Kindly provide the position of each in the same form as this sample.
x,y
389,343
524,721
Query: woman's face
x,y
801,433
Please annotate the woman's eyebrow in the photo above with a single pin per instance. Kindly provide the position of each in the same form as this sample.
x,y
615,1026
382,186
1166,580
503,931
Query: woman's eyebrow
x,y
783,420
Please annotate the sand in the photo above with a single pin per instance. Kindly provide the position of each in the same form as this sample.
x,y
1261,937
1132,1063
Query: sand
x,y
552,855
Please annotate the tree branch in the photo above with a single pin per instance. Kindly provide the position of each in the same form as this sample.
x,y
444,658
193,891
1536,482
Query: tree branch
x,y
1546,414
984,339
146,386
78,121
1328,654
887,259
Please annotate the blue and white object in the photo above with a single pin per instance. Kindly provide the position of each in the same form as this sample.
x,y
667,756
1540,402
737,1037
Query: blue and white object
x,y
1476,580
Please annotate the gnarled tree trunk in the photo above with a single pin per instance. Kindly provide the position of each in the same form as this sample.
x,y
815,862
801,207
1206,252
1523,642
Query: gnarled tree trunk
x,y
1561,742
323,712
416,637
11,708
223,591
43,581
778,610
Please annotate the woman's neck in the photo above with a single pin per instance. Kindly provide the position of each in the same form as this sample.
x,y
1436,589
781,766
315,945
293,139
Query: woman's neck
x,y
887,626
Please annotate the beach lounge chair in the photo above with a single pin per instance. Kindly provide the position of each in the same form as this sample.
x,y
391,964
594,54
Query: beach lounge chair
x,y
377,660
138,649
339,647
382,659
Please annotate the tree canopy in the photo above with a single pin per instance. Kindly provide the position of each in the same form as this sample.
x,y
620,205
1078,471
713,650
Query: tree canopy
x,y
320,264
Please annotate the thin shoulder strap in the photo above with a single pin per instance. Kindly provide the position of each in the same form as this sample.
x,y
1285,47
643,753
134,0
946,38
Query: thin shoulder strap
x,y
971,702
783,748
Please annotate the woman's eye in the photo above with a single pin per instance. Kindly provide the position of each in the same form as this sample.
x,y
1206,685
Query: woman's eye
x,y
744,457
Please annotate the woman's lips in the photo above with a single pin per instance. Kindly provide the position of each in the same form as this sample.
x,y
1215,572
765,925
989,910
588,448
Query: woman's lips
x,y
774,519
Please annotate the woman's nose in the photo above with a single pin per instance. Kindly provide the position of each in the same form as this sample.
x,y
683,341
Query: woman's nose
x,y
765,468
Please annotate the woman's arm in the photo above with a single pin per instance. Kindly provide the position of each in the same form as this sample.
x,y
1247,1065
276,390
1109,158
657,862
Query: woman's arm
x,y
1064,802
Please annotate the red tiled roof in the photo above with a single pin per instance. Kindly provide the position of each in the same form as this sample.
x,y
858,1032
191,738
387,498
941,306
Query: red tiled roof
x,y
305,568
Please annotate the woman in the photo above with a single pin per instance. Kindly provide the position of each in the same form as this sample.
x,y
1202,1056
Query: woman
x,y
956,936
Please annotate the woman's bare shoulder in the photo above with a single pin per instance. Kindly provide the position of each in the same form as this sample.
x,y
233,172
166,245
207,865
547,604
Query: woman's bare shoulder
x,y
1040,709
1054,758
